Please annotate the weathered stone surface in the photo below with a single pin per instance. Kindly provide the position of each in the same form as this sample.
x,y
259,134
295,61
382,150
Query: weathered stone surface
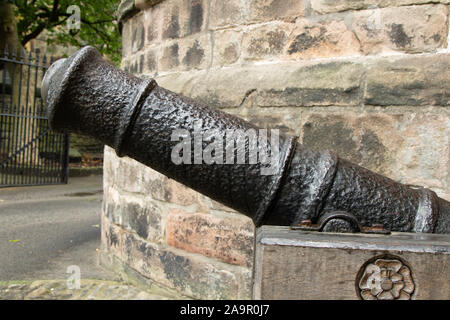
x,y
170,58
193,16
135,214
179,194
144,4
171,28
335,83
126,39
195,53
286,121
269,10
128,175
328,6
266,41
358,138
153,24
186,54
279,85
423,158
395,143
227,47
229,239
138,33
291,264
226,13
136,64
191,275
112,239
179,82
409,81
126,10
407,29
151,61
218,206
311,40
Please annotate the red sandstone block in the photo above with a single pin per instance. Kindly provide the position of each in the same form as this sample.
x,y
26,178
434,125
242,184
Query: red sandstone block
x,y
227,239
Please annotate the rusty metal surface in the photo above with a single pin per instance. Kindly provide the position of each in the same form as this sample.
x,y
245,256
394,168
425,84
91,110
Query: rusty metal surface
x,y
87,95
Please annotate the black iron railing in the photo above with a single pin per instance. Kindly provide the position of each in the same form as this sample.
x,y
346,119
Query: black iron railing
x,y
30,154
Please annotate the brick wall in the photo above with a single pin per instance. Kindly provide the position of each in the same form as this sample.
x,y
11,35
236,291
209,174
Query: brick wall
x,y
368,79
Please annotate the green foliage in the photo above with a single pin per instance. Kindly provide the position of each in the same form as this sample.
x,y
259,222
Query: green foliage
x,y
98,28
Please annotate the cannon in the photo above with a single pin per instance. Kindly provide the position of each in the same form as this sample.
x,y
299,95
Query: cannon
x,y
288,186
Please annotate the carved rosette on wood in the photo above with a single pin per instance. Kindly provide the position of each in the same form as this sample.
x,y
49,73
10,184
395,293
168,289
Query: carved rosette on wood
x,y
385,279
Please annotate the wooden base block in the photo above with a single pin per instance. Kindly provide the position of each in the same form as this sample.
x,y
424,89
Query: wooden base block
x,y
292,264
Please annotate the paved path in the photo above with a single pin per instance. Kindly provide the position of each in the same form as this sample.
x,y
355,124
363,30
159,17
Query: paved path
x,y
45,230
88,290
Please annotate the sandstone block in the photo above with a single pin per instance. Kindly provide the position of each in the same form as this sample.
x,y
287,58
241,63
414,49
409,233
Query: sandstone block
x,y
193,16
170,20
406,29
144,4
126,10
227,239
362,139
286,121
153,24
279,85
170,58
195,53
137,215
328,6
269,10
409,147
332,83
151,61
264,42
227,47
112,238
136,64
137,33
177,193
311,40
131,176
126,39
413,81
226,13
186,54
190,275
220,207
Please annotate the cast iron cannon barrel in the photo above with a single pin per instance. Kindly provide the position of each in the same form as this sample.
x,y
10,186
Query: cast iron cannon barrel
x,y
314,190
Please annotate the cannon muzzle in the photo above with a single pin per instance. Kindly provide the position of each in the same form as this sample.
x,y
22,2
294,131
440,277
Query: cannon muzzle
x,y
265,175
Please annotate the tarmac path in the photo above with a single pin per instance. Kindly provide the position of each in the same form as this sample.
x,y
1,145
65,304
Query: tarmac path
x,y
46,229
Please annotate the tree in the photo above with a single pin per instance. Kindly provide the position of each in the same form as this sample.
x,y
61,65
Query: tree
x,y
24,20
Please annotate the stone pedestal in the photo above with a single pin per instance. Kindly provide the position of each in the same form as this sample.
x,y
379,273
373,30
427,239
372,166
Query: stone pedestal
x,y
292,264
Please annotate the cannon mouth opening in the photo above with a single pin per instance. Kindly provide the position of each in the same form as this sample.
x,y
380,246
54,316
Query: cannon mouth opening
x,y
57,78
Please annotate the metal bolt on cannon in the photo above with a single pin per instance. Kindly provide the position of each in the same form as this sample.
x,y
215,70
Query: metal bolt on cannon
x,y
309,190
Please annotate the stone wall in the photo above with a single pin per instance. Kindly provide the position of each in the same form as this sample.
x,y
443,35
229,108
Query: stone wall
x,y
368,79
